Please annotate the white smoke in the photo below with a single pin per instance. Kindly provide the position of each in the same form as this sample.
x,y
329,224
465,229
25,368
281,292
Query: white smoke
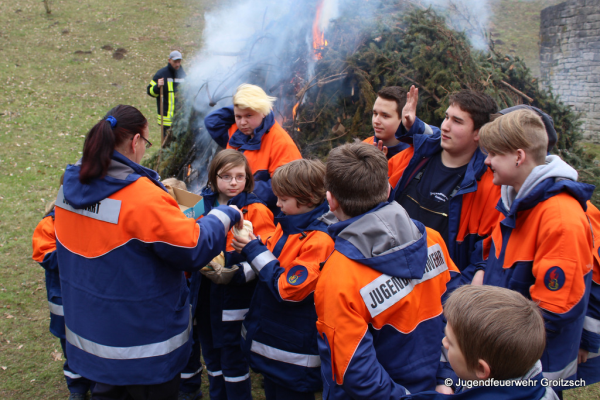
x,y
256,41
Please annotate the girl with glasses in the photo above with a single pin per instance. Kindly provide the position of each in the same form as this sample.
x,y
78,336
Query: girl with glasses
x,y
221,301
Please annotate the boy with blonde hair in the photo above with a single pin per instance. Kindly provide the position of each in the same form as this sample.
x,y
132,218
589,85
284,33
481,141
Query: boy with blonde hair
x,y
279,337
542,246
494,334
249,126
379,297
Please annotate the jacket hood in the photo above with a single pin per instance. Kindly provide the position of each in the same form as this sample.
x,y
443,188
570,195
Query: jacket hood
x,y
121,173
210,199
310,221
544,182
245,142
546,119
554,168
385,239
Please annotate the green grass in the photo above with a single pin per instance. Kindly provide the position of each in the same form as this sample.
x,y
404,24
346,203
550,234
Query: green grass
x,y
51,97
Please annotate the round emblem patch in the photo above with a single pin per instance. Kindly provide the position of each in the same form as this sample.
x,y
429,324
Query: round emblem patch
x,y
554,279
297,275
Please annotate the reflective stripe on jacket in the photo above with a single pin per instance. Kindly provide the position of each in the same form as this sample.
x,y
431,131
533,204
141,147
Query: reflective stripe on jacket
x,y
44,252
172,81
541,249
279,336
122,245
229,303
379,306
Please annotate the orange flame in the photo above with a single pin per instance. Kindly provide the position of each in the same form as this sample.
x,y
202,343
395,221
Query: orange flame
x,y
295,109
189,169
319,42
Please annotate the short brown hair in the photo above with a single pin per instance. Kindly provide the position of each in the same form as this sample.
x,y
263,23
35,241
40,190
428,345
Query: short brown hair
x,y
356,175
302,179
497,325
394,93
521,129
227,159
479,105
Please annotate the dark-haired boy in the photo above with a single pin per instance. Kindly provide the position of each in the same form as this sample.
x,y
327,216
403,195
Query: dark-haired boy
x,y
494,333
379,296
387,113
442,180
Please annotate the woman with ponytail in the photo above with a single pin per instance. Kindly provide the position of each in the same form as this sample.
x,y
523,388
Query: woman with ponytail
x,y
122,245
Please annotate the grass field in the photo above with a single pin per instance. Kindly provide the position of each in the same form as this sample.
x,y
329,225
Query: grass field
x,y
59,76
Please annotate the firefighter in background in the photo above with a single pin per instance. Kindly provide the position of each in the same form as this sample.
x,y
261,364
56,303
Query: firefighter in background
x,y
170,77
44,252
249,126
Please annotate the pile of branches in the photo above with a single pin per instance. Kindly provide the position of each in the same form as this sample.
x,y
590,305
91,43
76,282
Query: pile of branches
x,y
415,46
402,44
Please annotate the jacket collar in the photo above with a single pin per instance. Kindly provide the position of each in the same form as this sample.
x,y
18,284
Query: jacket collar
x,y
245,142
121,173
294,224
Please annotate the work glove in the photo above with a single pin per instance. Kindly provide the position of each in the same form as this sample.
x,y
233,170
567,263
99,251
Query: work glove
x,y
216,271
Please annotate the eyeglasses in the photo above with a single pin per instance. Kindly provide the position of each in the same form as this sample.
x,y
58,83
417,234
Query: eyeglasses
x,y
148,143
229,178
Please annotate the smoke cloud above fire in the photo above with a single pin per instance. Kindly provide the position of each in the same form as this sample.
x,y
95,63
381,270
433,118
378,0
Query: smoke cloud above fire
x,y
276,45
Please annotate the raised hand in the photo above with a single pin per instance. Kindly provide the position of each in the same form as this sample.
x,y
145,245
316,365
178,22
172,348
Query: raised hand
x,y
409,112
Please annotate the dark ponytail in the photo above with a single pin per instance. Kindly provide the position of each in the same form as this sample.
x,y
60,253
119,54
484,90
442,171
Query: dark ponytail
x,y
105,136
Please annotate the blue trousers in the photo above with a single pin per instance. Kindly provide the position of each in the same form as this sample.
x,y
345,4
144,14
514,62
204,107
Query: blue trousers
x,y
227,368
75,382
191,376
274,391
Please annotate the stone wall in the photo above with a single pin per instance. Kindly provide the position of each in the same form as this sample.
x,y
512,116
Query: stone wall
x,y
570,58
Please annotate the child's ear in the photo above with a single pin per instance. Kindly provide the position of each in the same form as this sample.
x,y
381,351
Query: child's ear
x,y
483,370
389,190
333,203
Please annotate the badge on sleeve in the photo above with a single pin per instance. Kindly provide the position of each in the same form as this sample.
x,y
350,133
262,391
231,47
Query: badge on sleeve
x,y
554,279
297,275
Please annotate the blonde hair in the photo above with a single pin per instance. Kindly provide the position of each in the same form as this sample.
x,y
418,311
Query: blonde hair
x,y
254,97
521,129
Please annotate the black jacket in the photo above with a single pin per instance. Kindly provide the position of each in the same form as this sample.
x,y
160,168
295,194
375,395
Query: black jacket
x,y
173,79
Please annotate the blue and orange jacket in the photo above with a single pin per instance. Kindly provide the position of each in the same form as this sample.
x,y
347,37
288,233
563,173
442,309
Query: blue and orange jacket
x,y
528,387
229,303
542,249
392,150
122,245
472,214
270,148
379,306
44,252
590,338
279,336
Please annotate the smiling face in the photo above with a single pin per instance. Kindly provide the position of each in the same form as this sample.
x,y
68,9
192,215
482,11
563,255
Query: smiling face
x,y
386,120
458,135
237,183
247,120
504,168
